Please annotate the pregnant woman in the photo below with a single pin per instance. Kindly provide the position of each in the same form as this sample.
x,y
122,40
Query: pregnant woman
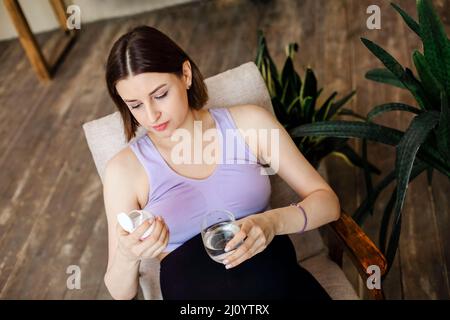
x,y
155,84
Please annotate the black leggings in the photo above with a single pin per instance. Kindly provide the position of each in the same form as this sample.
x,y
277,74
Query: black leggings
x,y
189,273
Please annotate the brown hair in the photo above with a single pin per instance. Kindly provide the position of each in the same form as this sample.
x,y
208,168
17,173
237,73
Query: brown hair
x,y
146,49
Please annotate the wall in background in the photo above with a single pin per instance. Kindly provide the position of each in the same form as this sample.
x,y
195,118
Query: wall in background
x,y
41,18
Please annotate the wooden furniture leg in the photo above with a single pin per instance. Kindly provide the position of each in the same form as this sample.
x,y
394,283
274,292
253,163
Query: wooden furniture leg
x,y
34,53
60,11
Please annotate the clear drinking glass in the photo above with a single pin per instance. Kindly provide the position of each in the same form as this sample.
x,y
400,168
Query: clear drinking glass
x,y
217,228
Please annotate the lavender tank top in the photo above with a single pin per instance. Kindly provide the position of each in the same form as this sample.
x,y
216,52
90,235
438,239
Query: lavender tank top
x,y
235,185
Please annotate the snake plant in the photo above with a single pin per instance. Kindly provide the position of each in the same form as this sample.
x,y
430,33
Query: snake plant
x,y
296,102
425,145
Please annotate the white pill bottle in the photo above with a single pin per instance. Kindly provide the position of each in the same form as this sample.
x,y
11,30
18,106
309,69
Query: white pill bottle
x,y
129,222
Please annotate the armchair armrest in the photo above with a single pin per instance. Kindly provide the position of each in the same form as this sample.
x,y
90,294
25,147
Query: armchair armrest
x,y
361,250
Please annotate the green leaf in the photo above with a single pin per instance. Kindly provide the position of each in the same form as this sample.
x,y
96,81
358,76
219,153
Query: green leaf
x,y
388,60
267,67
407,150
260,51
387,107
308,109
412,24
430,176
292,104
415,87
284,92
360,214
443,129
393,243
435,43
418,168
342,156
431,85
409,145
280,111
350,129
266,55
321,114
367,176
404,75
265,72
319,93
289,76
309,88
334,108
383,75
370,131
291,49
384,226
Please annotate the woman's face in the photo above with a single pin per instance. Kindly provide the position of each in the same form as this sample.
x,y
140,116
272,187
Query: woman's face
x,y
155,98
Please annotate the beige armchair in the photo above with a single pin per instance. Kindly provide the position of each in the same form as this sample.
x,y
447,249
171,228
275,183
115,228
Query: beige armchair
x,y
244,85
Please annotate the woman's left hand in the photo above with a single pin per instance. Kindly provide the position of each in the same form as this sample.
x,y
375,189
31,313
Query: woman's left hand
x,y
257,231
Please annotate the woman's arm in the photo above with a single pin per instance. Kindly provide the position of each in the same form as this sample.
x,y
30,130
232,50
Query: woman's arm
x,y
320,202
321,207
121,277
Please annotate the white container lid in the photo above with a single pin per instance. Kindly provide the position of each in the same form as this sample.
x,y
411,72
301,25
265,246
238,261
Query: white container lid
x,y
130,223
125,222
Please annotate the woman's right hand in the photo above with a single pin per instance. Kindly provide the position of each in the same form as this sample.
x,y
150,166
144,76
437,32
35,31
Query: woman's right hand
x,y
133,248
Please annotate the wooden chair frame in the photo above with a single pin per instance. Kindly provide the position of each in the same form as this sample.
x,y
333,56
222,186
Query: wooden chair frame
x,y
347,236
44,69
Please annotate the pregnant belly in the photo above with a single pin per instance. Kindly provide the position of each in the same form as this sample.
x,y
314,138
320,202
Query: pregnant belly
x,y
189,273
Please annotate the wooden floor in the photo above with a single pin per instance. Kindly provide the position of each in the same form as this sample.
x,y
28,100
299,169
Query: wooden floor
x,y
51,205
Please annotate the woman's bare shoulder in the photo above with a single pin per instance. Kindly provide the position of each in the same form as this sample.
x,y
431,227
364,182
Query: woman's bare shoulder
x,y
123,161
126,167
250,116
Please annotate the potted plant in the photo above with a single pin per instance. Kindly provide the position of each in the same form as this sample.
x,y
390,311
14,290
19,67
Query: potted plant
x,y
296,102
425,145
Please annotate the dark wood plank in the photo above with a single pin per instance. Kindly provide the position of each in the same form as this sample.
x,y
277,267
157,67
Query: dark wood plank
x,y
423,264
384,156
421,254
338,77
439,194
50,226
368,95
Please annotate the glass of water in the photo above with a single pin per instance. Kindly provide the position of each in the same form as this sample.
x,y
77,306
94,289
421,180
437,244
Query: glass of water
x,y
218,227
